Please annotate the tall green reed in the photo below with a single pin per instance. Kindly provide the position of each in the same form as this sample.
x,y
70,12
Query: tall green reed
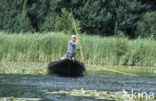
x,y
96,50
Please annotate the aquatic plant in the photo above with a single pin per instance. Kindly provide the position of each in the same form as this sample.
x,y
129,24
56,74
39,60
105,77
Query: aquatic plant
x,y
41,68
102,95
94,94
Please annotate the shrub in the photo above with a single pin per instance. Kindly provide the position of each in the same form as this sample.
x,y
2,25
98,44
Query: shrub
x,y
147,25
64,22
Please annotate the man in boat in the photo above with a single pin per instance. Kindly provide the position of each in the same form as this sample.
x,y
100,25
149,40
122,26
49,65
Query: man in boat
x,y
72,45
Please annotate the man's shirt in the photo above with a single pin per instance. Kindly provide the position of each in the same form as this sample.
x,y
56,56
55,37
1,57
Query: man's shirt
x,y
71,46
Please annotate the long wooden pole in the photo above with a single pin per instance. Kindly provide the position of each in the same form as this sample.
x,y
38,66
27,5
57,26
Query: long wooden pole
x,y
128,74
82,57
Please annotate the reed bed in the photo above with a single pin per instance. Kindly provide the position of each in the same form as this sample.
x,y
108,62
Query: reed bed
x,y
97,50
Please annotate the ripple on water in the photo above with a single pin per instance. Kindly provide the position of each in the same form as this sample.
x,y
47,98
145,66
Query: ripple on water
x,y
33,85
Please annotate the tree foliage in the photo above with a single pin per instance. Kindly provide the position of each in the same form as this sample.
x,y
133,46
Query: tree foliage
x,y
13,16
102,17
65,22
147,25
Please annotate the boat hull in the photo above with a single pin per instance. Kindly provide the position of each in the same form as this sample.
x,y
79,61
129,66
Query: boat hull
x,y
67,68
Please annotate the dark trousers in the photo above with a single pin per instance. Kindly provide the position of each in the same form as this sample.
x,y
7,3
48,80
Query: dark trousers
x,y
70,55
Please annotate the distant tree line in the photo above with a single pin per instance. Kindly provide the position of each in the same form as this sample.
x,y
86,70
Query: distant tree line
x,y
133,18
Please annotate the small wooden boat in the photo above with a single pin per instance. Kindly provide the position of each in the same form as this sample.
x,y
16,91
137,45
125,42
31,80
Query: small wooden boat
x,y
66,67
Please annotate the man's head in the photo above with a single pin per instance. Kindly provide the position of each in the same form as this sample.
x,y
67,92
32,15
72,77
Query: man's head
x,y
73,37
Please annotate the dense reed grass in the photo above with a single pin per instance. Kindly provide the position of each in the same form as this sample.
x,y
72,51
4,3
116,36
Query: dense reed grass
x,y
97,50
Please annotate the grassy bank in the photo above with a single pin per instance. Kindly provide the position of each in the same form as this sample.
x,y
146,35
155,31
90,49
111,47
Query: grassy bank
x,y
97,50
41,68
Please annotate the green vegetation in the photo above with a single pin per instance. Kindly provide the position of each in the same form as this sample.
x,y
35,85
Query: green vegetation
x,y
35,32
94,94
143,72
41,68
12,98
134,18
97,50
99,95
147,25
23,68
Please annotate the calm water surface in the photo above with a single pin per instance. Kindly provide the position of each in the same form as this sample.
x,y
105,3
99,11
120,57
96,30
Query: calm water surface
x,y
34,86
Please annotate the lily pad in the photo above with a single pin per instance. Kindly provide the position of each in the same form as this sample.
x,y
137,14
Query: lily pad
x,y
89,93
